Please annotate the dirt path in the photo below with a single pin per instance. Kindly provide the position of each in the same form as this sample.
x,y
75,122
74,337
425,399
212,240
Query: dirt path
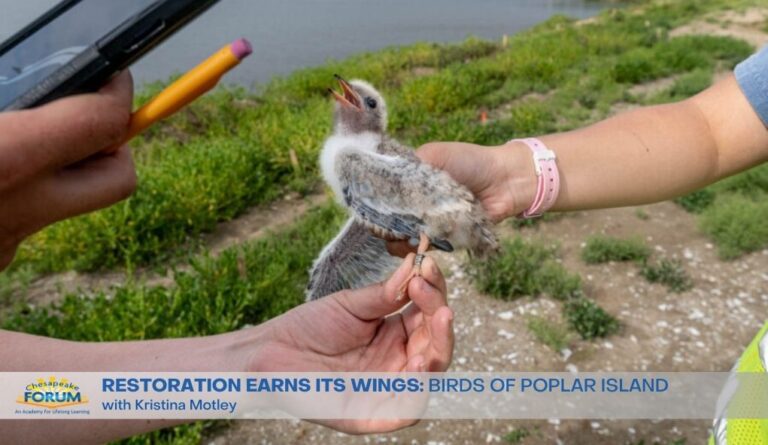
x,y
747,25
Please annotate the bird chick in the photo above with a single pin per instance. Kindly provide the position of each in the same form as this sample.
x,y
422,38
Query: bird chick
x,y
389,190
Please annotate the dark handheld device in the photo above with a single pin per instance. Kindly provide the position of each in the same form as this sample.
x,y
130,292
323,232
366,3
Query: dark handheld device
x,y
77,46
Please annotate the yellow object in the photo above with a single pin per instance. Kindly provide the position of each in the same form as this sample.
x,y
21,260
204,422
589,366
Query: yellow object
x,y
748,431
186,89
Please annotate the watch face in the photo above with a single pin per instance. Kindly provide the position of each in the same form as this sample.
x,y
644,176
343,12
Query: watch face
x,y
57,43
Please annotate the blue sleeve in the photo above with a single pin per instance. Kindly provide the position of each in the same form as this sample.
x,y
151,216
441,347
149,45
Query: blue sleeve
x,y
752,76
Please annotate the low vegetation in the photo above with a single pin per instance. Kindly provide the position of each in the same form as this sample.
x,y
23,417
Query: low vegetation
x,y
243,285
603,249
670,273
235,148
589,320
550,333
732,212
737,223
525,268
517,435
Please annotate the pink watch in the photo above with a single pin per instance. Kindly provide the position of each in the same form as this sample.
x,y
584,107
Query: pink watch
x,y
547,175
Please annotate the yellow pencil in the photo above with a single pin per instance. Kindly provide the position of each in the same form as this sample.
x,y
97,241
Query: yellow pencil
x,y
189,87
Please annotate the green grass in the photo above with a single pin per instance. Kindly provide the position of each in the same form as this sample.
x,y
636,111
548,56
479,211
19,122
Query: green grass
x,y
549,333
670,273
732,212
244,285
737,223
519,223
603,249
232,149
524,269
697,201
589,320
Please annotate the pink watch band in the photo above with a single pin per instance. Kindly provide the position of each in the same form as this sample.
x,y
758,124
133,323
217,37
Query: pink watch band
x,y
547,175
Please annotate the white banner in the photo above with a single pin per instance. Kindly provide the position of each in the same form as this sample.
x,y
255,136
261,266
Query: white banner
x,y
130,395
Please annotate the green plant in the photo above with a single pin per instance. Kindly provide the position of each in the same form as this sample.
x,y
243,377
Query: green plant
x,y
589,320
519,223
243,285
603,249
737,224
669,273
517,435
524,268
697,201
549,333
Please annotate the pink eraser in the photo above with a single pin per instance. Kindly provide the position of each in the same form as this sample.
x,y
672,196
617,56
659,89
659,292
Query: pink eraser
x,y
241,48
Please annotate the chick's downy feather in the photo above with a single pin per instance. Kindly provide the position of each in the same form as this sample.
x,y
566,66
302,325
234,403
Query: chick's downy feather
x,y
389,191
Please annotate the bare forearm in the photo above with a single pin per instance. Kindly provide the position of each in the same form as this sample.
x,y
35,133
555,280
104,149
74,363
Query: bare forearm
x,y
21,352
656,153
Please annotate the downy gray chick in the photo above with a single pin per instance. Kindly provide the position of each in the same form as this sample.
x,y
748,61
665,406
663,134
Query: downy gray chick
x,y
389,191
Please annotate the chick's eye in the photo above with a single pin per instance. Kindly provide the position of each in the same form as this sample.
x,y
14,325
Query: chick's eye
x,y
371,102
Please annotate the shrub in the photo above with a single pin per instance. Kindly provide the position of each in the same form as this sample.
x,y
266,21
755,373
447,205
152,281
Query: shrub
x,y
753,182
737,224
524,268
589,320
697,201
669,273
603,249
244,285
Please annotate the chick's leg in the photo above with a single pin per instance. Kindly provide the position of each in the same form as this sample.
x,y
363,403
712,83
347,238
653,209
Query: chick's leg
x,y
416,272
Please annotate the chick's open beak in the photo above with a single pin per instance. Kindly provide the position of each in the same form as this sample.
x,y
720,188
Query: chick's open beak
x,y
349,98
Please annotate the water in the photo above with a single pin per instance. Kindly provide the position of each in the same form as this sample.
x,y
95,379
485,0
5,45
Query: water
x,y
292,34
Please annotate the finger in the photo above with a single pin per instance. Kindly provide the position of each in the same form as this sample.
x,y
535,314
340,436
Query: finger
x,y
400,248
65,131
416,364
92,185
413,315
442,339
432,274
97,183
412,318
378,300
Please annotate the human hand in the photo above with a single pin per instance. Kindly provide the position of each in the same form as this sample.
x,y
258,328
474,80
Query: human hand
x,y
501,177
52,165
357,331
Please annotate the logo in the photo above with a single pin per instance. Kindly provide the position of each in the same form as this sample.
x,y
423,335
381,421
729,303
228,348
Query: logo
x,y
52,394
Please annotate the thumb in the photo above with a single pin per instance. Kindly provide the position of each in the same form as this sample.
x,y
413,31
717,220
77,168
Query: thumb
x,y
379,300
434,153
